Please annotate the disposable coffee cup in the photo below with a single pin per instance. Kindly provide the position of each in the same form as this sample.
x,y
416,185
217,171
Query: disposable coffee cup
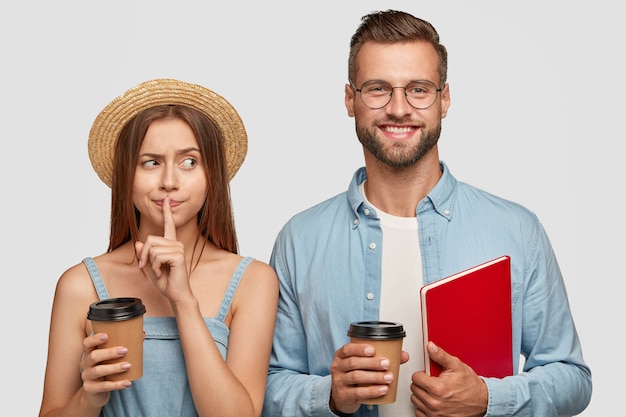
x,y
386,337
122,320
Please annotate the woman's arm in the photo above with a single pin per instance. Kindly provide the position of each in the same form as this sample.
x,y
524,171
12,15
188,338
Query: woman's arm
x,y
67,391
235,387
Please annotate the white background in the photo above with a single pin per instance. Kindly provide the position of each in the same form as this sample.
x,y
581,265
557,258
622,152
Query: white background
x,y
537,116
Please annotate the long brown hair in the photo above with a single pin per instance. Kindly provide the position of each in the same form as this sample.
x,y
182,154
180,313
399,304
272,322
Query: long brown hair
x,y
393,26
215,218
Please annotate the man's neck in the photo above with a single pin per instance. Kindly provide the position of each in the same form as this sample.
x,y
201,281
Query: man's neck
x,y
399,191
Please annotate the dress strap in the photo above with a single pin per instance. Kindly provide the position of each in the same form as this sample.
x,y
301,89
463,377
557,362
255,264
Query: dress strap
x,y
232,288
103,294
96,278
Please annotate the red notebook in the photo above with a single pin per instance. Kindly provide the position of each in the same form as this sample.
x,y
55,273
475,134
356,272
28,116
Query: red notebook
x,y
468,315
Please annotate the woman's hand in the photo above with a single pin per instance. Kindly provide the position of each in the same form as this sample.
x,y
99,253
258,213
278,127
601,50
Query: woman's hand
x,y
162,259
97,390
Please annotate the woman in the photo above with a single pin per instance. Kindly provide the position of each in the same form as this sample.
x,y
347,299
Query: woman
x,y
167,149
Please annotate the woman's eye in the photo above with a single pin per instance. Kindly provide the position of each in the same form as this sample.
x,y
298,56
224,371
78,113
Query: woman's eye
x,y
150,163
189,163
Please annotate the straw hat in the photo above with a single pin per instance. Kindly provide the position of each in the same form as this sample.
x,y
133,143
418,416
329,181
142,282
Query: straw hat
x,y
107,126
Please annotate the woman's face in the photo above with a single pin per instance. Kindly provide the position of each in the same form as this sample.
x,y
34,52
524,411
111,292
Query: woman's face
x,y
169,164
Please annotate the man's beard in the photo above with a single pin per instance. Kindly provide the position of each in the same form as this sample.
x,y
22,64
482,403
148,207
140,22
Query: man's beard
x,y
399,156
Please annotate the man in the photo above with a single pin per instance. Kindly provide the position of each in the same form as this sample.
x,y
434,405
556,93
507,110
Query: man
x,y
405,221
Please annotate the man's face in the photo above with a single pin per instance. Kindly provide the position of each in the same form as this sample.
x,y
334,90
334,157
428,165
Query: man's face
x,y
397,134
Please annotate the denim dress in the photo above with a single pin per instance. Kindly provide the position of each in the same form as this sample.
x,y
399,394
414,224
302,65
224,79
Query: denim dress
x,y
164,388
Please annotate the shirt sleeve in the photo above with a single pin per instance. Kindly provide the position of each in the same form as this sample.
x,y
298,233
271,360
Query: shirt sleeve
x,y
554,380
291,390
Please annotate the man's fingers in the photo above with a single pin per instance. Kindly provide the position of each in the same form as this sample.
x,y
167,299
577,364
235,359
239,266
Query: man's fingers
x,y
169,228
442,357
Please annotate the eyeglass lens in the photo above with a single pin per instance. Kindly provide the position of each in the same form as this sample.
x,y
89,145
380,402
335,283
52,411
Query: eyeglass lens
x,y
377,94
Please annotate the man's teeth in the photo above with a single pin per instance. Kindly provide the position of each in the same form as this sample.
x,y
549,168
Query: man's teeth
x,y
397,130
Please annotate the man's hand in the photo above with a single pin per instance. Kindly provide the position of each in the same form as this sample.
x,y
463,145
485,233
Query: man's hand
x,y
456,392
355,364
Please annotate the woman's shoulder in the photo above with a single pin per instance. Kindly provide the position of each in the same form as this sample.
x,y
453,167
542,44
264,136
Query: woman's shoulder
x,y
75,275
74,285
257,292
258,277
76,279
260,269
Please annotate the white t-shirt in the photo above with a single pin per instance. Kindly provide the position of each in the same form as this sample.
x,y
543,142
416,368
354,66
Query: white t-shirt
x,y
402,279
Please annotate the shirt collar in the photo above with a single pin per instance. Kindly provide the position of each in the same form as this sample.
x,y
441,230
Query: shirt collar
x,y
440,198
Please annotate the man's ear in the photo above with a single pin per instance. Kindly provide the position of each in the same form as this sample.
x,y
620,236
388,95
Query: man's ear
x,y
349,100
445,100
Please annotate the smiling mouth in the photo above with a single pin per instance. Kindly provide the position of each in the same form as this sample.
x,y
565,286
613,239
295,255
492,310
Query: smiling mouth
x,y
398,130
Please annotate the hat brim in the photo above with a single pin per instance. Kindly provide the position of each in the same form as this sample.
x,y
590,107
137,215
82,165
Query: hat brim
x,y
108,124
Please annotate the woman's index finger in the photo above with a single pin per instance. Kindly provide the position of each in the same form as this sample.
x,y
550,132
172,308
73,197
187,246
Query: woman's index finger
x,y
169,227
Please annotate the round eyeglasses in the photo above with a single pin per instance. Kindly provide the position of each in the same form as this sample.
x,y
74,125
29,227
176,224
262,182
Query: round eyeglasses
x,y
377,94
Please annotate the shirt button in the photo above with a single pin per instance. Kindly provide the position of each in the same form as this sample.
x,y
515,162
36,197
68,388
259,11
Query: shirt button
x,y
367,211
372,245
355,221
446,212
370,296
370,407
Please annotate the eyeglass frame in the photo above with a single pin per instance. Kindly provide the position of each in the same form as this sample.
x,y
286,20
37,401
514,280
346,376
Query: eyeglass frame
x,y
437,91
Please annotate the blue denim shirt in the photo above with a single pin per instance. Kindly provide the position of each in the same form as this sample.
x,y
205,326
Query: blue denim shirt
x,y
328,260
